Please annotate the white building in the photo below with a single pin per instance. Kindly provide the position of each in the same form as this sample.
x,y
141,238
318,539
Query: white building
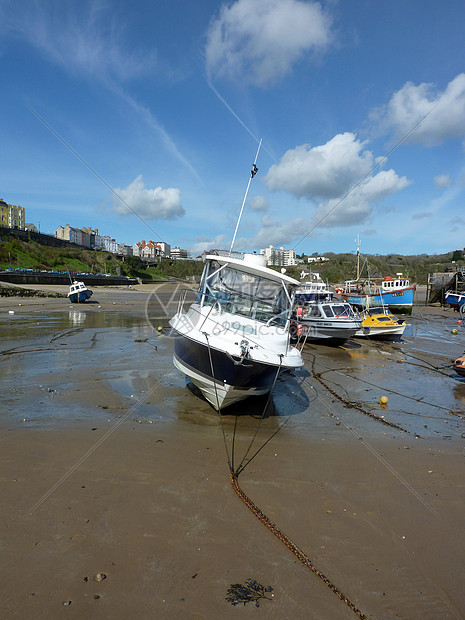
x,y
317,259
109,245
279,256
179,253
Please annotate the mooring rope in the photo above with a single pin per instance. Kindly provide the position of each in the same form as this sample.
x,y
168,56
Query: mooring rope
x,y
241,464
300,555
234,475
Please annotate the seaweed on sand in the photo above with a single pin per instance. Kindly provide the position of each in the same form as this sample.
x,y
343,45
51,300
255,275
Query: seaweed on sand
x,y
251,592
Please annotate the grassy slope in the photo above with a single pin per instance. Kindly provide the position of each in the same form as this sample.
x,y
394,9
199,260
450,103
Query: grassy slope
x,y
28,254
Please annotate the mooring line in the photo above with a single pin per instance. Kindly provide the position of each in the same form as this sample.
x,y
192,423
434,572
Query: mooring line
x,y
300,555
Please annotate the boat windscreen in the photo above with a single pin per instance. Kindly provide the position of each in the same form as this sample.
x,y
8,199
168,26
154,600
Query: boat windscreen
x,y
247,294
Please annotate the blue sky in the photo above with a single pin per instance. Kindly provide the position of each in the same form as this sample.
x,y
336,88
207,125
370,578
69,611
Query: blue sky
x,y
163,103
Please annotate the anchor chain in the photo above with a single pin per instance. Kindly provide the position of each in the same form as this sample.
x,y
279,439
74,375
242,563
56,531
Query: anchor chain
x,y
300,555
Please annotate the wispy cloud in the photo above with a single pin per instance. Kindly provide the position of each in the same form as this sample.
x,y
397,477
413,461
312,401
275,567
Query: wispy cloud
x,y
87,39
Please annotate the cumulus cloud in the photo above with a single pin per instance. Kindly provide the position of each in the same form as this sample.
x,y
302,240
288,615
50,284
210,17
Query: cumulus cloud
x,y
442,181
324,171
445,109
260,42
151,204
324,174
259,203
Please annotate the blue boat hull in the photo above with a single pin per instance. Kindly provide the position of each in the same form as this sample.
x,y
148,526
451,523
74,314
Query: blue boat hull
x,y
397,301
455,300
79,297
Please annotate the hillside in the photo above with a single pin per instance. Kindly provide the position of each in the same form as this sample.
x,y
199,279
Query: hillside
x,y
20,254
28,254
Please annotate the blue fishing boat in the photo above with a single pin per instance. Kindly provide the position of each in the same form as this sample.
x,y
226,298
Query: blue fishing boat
x,y
455,299
78,292
396,293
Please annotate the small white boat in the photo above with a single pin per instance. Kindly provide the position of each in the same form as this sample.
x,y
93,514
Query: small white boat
x,y
78,292
380,323
330,321
233,341
313,288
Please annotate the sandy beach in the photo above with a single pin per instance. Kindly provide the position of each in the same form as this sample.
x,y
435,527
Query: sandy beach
x,y
115,493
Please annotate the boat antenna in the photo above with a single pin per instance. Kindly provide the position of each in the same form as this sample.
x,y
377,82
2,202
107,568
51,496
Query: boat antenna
x,y
359,243
252,174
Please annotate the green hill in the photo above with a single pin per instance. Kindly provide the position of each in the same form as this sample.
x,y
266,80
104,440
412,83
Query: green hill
x,y
27,254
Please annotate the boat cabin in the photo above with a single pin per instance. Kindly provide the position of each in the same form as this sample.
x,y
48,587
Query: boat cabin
x,y
247,288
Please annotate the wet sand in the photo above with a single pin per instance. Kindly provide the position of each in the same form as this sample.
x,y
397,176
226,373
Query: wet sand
x,y
110,465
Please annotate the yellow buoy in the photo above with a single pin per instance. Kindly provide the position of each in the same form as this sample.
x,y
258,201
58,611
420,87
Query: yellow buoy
x,y
383,400
159,328
454,331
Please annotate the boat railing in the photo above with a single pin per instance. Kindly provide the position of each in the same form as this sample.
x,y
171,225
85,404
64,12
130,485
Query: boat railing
x,y
183,299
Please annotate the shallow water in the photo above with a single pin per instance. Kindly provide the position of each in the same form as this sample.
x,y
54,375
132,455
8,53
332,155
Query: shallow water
x,y
89,365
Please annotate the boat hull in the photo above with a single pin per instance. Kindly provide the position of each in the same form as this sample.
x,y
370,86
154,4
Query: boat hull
x,y
79,297
386,333
221,379
325,330
398,301
455,300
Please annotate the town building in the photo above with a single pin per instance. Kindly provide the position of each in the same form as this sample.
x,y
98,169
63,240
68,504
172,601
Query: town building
x,y
73,235
124,250
279,256
317,259
151,249
179,253
12,216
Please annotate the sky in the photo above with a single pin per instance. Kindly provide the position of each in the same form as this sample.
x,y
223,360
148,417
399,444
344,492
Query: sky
x,y
143,119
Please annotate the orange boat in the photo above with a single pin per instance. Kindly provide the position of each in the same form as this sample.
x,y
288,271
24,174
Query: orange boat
x,y
459,365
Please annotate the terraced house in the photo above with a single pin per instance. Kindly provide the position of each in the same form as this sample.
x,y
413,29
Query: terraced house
x,y
12,216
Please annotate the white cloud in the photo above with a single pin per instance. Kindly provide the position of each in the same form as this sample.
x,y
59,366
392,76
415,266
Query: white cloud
x,y
443,181
205,243
259,42
421,216
259,203
325,171
446,112
151,204
272,232
358,206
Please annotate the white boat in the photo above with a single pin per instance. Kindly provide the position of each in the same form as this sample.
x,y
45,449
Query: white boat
x,y
233,340
380,323
330,321
313,288
78,292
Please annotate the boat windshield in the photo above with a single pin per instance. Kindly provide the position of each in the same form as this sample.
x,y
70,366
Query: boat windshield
x,y
339,310
246,294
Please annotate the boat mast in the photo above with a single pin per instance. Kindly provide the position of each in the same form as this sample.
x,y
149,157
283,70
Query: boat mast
x,y
359,243
252,174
